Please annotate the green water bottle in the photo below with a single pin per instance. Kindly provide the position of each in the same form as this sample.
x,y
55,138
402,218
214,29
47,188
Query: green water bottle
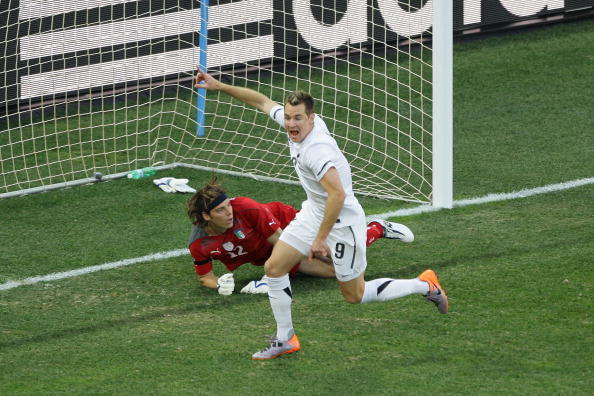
x,y
140,173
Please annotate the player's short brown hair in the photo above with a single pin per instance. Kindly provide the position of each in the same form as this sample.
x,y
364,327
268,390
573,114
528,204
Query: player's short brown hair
x,y
298,97
202,200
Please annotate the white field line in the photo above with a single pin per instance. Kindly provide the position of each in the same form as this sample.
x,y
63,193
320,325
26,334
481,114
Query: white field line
x,y
94,268
398,213
490,198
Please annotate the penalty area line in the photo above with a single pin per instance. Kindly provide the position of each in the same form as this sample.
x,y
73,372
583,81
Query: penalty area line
x,y
398,213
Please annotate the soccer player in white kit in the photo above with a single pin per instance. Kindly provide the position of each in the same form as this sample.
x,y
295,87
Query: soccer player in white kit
x,y
331,222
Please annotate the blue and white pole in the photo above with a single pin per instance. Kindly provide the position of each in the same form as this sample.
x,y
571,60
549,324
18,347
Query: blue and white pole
x,y
202,43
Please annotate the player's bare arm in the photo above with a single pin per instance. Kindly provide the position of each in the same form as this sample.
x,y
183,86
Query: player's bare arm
x,y
245,95
208,280
336,196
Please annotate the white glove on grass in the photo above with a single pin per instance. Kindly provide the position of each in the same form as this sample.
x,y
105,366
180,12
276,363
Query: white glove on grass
x,y
181,185
163,184
226,284
172,185
257,286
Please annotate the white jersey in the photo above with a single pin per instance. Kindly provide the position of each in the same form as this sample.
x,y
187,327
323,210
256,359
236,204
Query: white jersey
x,y
312,158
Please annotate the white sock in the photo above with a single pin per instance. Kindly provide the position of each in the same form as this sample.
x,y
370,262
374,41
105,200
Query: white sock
x,y
280,297
385,289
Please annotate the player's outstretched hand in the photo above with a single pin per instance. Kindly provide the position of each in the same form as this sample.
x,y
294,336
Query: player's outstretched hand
x,y
257,287
206,81
226,284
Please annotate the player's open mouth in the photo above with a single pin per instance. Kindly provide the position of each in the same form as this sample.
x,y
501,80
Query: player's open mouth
x,y
294,133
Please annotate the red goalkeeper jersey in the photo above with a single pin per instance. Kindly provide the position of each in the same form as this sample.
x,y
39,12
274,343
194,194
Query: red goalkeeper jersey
x,y
245,242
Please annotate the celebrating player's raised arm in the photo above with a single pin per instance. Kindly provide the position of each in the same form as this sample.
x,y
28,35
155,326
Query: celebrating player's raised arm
x,y
246,95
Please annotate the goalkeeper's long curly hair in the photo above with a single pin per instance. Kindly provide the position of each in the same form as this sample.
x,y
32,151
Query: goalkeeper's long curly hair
x,y
200,201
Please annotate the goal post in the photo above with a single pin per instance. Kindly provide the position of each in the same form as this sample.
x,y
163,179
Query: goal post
x,y
443,138
107,86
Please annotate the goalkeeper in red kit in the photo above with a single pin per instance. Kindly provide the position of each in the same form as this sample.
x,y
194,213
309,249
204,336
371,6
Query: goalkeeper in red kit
x,y
240,230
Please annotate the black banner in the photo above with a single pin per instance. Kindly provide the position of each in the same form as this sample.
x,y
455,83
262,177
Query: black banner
x,y
52,50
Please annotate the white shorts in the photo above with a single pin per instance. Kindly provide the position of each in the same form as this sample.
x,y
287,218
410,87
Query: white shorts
x,y
347,243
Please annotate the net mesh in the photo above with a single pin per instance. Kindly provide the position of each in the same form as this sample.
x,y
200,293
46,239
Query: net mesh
x,y
106,86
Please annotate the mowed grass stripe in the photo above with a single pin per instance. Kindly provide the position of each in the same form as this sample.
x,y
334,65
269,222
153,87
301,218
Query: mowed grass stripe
x,y
402,212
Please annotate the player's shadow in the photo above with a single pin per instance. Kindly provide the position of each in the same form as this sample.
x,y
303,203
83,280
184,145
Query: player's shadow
x,y
409,271
209,300
212,302
206,300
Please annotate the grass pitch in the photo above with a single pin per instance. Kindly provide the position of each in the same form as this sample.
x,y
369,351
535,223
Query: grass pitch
x,y
519,273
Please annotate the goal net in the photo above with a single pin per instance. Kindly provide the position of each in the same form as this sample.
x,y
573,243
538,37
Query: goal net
x,y
106,86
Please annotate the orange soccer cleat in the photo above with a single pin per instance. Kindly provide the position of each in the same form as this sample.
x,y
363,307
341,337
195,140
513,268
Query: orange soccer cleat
x,y
436,294
277,348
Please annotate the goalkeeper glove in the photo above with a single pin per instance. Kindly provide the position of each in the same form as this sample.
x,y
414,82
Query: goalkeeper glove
x,y
172,185
181,185
226,284
163,184
257,286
